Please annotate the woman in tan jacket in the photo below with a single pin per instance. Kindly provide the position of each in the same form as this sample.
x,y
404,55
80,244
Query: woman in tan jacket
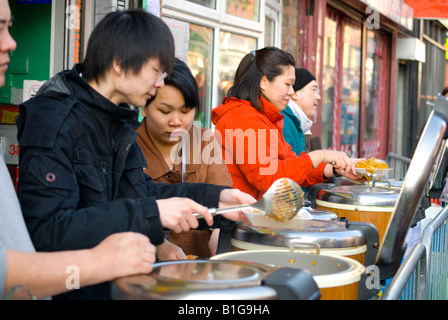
x,y
166,131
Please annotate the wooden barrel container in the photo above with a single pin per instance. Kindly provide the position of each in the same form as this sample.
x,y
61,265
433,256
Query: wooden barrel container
x,y
373,205
337,277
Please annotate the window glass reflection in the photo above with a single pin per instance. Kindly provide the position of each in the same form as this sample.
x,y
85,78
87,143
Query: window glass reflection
x,y
328,82
246,9
232,49
374,90
377,79
350,89
200,57
269,32
206,3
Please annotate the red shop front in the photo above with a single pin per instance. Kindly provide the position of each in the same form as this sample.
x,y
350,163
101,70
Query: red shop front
x,y
349,47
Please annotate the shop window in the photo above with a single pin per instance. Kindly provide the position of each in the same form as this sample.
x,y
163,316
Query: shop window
x,y
341,85
194,45
351,75
269,32
354,118
232,49
200,58
433,70
328,83
73,45
246,9
376,94
217,39
271,23
206,3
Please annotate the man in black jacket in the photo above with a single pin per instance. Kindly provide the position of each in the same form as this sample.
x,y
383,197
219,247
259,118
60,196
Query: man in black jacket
x,y
81,170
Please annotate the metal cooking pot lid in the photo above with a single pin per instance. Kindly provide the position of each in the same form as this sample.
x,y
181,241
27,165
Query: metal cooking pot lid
x,y
321,214
360,195
203,274
316,264
325,233
327,270
178,279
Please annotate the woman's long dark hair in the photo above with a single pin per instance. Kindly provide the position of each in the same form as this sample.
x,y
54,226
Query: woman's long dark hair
x,y
269,62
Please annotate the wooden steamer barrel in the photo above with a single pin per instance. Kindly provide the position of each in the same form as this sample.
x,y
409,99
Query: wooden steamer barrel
x,y
336,276
373,205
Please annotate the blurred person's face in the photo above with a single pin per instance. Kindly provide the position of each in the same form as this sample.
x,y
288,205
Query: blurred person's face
x,y
308,98
167,117
137,89
7,43
279,91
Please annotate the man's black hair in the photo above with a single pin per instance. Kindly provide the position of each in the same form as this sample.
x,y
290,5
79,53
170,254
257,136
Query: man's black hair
x,y
130,37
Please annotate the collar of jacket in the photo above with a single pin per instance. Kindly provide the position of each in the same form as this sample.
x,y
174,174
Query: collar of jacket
x,y
270,110
295,111
267,108
89,96
63,90
157,167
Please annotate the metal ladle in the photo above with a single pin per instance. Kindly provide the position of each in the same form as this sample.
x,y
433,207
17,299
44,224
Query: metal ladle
x,y
281,202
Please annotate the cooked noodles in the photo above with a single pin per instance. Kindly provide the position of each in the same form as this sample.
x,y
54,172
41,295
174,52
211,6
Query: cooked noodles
x,y
371,165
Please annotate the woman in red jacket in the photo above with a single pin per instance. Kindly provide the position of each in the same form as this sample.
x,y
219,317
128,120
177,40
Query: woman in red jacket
x,y
249,125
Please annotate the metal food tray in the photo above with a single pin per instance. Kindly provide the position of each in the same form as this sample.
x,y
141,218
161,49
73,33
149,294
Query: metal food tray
x,y
378,175
258,219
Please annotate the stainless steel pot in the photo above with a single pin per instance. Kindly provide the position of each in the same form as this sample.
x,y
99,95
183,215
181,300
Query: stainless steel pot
x,y
336,276
331,237
359,195
221,280
360,203
320,214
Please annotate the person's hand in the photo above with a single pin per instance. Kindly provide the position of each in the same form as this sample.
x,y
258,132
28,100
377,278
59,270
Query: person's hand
x,y
125,253
176,214
169,251
341,162
349,174
232,197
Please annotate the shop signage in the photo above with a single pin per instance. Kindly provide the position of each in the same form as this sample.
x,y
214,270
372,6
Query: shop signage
x,y
30,88
429,9
9,144
396,10
32,1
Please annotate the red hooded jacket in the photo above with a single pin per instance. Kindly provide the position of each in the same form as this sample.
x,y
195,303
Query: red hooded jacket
x,y
254,149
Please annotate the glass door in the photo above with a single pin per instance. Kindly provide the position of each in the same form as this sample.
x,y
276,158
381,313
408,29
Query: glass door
x,y
341,84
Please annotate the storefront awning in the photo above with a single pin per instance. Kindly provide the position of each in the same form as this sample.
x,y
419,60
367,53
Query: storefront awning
x,y
429,9
396,10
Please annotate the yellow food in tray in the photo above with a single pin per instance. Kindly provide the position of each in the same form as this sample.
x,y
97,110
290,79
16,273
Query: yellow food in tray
x,y
371,165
